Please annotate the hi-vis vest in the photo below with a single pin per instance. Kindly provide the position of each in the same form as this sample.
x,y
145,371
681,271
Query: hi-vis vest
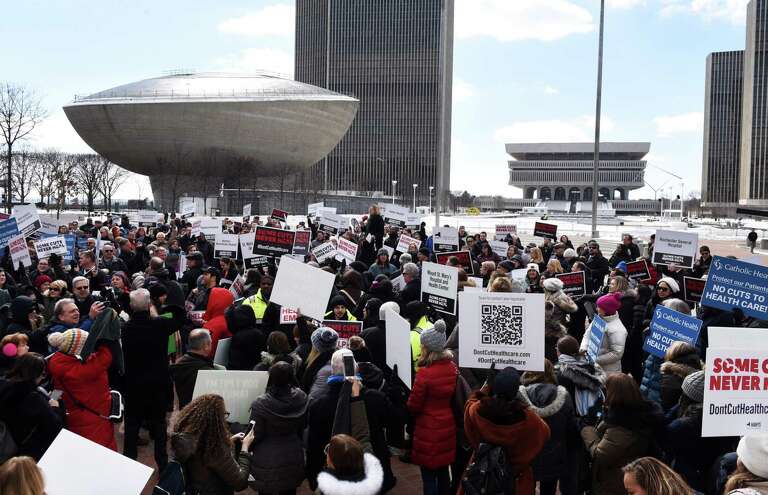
x,y
258,304
422,325
347,316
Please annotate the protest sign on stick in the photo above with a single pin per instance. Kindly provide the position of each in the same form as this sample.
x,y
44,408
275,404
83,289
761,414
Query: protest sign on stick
x,y
439,286
300,286
238,388
398,343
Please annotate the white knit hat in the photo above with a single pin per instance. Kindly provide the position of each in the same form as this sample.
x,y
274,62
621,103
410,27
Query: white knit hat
x,y
753,453
553,284
671,283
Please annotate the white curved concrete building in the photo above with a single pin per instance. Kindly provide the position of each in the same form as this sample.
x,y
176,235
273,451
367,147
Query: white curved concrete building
x,y
182,128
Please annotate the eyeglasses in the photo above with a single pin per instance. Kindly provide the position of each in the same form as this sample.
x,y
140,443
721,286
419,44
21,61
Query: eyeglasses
x,y
54,289
84,287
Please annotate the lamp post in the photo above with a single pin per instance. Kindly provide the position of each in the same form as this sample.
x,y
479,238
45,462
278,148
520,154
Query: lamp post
x,y
414,197
596,166
431,188
394,183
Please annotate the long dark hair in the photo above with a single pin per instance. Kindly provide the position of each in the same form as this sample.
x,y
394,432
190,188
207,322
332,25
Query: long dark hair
x,y
281,378
27,368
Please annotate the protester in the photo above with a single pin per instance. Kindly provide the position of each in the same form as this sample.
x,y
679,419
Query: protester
x,y
751,475
752,240
247,341
649,476
382,264
680,360
21,476
318,366
563,305
214,320
612,348
584,380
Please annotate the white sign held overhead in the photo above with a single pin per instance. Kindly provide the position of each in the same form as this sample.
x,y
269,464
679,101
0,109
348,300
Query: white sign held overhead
x,y
503,231
445,239
313,208
210,227
51,245
225,246
300,286
19,252
439,286
347,250
503,328
238,388
324,251
405,241
187,208
395,215
398,345
333,224
247,210
499,247
147,218
96,469
27,219
413,220
679,248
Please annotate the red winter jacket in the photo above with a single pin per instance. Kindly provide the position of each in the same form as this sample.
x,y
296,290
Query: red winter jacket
x,y
523,439
434,439
89,384
218,302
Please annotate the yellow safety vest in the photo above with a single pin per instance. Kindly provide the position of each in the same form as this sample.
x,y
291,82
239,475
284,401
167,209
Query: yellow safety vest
x,y
258,304
422,325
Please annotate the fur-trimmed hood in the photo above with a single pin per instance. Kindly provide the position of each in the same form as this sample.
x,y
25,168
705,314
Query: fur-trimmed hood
x,y
682,366
582,373
370,484
544,399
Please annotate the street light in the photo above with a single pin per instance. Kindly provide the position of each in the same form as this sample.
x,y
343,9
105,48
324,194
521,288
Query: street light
x,y
394,183
414,197
431,188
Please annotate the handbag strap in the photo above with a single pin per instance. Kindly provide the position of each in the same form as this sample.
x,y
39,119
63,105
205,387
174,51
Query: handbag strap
x,y
80,404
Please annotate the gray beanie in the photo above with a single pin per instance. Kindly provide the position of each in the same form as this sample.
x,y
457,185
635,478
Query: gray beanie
x,y
405,258
433,339
693,386
324,339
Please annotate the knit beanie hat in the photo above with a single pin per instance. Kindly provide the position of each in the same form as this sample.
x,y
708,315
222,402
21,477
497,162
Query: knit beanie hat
x,y
671,282
70,342
533,266
41,279
753,453
388,305
506,383
553,284
433,339
569,253
324,339
609,303
693,386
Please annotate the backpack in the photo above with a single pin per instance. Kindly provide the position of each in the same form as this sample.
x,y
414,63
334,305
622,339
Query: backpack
x,y
8,447
489,473
172,480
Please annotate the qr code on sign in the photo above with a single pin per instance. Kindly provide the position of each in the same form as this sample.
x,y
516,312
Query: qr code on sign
x,y
501,324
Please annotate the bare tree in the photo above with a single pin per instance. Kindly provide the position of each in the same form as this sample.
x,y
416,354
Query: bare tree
x,y
21,110
65,182
111,178
23,173
88,176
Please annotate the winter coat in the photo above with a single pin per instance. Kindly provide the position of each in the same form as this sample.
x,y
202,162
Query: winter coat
x,y
612,349
753,488
650,386
624,434
218,302
209,474
88,383
184,374
376,341
577,375
598,268
375,226
553,330
624,253
277,462
267,360
247,342
563,305
553,404
377,269
672,375
411,292
434,438
320,417
32,422
521,432
21,307
145,348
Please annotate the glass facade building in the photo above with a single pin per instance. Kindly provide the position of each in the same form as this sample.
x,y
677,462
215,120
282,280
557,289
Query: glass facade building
x,y
386,53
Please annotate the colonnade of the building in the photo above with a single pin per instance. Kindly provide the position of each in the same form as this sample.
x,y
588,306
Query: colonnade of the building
x,y
574,193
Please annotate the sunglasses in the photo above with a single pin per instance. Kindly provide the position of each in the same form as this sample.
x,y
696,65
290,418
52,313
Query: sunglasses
x,y
663,289
85,287
54,289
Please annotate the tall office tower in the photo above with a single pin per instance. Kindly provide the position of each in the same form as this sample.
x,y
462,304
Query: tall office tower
x,y
396,57
722,131
753,183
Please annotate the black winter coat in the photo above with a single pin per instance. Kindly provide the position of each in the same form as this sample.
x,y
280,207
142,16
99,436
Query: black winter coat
x,y
375,226
33,423
247,340
376,341
184,374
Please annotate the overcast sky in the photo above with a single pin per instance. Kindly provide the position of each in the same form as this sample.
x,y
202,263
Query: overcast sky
x,y
524,70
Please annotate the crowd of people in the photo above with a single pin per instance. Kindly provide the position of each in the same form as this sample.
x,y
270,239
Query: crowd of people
x,y
132,317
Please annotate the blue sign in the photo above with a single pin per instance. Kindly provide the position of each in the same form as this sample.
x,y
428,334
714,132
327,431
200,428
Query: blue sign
x,y
737,284
668,326
8,230
596,335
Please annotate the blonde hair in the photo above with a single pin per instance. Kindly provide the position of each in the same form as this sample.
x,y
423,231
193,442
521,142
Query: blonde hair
x,y
556,266
536,256
741,478
431,357
500,284
679,348
21,476
656,478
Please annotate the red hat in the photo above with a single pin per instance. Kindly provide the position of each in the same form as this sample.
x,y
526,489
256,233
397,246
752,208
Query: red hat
x,y
609,303
41,279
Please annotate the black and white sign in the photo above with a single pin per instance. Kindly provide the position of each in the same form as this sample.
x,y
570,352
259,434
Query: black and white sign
x,y
246,211
333,224
547,230
210,227
27,219
395,215
638,270
147,218
273,242
439,286
445,239
675,247
51,245
503,328
313,208
226,246
187,208
324,251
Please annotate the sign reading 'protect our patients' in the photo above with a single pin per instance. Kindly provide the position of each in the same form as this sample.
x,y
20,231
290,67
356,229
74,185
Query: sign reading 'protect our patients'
x,y
668,326
737,284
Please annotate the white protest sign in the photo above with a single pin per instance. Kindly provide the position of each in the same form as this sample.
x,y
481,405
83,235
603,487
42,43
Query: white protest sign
x,y
195,229
302,286
313,208
225,246
187,208
19,252
679,248
51,245
237,288
347,250
96,469
478,283
48,227
413,220
238,388
324,251
27,219
737,337
503,328
445,239
210,227
395,215
439,286
325,210
499,247
503,230
333,224
398,345
389,250
247,210
398,283
405,241
222,352
246,245
147,218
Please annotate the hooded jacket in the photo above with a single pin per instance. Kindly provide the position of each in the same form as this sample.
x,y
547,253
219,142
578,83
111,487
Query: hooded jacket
x,y
218,302
248,341
580,378
278,458
21,308
612,349
672,375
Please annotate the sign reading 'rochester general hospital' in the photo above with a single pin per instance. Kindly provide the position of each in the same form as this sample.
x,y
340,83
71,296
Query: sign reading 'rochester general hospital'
x,y
675,247
737,284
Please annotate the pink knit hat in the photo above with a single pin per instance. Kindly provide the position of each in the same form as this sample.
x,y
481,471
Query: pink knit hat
x,y
609,303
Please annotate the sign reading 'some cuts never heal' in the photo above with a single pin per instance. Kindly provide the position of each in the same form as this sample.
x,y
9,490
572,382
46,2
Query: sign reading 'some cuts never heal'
x,y
737,284
273,242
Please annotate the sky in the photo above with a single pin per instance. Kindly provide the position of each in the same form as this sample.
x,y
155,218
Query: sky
x,y
524,70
